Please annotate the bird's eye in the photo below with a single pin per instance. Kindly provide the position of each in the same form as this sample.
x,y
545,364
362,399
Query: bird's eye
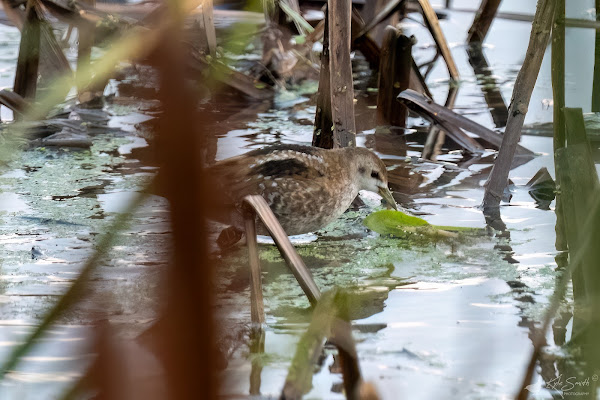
x,y
361,170
375,174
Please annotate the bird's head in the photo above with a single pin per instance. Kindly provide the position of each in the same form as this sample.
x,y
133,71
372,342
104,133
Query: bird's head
x,y
371,174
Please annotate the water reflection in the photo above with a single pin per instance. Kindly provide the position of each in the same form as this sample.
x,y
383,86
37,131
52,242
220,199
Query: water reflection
x,y
257,350
488,85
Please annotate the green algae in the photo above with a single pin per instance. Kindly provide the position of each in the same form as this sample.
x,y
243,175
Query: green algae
x,y
371,267
61,188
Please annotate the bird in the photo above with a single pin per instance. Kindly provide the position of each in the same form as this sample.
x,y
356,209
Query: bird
x,y
306,187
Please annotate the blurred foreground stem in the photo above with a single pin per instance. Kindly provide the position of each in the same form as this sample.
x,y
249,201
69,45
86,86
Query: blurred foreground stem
x,y
596,86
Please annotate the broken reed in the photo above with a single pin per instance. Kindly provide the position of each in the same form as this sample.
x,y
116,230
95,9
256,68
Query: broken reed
x,y
538,40
334,119
482,21
29,53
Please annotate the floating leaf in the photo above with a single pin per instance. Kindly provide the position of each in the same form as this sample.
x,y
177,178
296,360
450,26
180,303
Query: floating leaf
x,y
397,223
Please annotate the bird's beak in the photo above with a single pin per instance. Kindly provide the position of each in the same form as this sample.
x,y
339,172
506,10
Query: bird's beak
x,y
387,196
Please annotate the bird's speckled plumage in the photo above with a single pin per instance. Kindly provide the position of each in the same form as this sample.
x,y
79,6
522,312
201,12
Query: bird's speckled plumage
x,y
306,187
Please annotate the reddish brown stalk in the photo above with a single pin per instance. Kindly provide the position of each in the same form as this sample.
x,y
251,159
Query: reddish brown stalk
x,y
189,340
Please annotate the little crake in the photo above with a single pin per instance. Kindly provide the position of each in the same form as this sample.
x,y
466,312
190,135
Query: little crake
x,y
306,187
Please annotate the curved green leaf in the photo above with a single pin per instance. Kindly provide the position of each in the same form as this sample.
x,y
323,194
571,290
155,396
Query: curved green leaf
x,y
397,223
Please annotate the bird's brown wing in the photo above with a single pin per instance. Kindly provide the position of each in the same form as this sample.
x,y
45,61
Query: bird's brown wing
x,y
240,176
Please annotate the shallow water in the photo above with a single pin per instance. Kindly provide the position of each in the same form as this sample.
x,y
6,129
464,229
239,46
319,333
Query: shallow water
x,y
431,319
438,320
57,203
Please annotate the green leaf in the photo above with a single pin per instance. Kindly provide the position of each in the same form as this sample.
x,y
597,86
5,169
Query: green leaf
x,y
459,228
298,19
300,39
397,223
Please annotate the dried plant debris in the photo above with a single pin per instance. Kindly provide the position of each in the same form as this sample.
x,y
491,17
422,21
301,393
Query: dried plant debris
x,y
454,124
542,188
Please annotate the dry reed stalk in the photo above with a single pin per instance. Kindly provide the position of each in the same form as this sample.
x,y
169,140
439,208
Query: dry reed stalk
x,y
483,19
538,41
